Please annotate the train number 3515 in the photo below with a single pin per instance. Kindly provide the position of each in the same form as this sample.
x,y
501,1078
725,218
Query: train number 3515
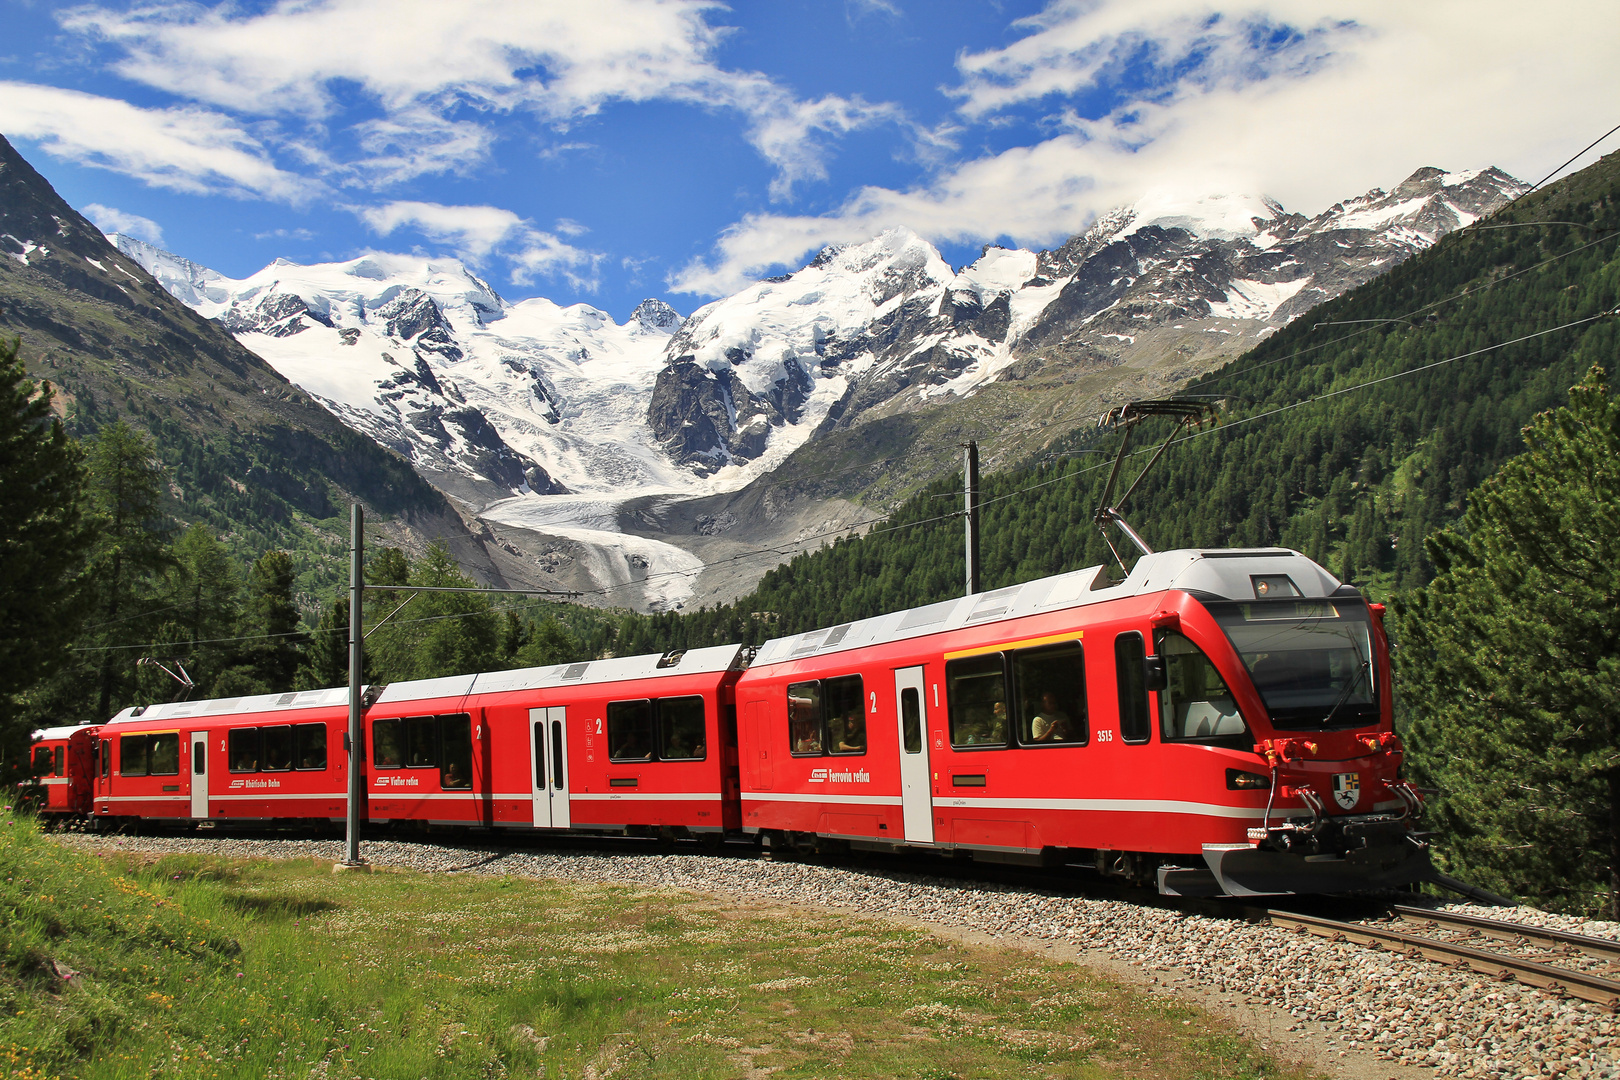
x,y
1105,735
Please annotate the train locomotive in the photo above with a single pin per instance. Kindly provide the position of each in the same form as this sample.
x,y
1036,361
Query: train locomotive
x,y
1217,723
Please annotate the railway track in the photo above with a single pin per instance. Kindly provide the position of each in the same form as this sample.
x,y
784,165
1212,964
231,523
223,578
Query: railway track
x,y
1532,971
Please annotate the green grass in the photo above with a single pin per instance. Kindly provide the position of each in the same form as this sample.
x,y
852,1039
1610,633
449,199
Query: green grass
x,y
194,967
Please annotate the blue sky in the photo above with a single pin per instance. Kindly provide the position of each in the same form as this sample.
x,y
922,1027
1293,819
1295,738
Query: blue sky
x,y
602,151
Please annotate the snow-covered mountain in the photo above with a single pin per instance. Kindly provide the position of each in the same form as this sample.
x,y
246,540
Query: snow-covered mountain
x,y
552,418
486,398
873,328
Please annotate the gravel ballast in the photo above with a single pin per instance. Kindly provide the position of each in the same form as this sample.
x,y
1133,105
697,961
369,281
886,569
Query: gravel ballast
x,y
1404,1011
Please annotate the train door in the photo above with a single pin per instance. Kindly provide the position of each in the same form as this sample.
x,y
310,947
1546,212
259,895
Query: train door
x,y
199,774
104,769
916,802
759,746
548,742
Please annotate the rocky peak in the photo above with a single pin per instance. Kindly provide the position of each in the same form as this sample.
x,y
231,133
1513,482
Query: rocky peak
x,y
409,314
656,316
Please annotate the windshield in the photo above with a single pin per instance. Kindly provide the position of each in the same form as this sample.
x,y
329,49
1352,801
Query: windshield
x,y
1311,660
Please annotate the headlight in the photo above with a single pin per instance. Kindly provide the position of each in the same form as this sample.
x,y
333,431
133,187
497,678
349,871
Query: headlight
x,y
1238,780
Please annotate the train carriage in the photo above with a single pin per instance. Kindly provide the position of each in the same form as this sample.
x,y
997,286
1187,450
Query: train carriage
x,y
615,745
62,769
1218,720
261,758
648,742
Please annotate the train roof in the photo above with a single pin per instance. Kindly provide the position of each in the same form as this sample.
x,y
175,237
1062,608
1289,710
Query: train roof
x,y
1226,573
182,710
713,660
57,732
716,659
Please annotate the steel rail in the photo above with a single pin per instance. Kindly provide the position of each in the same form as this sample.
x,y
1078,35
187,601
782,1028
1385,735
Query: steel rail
x,y
1559,980
1605,948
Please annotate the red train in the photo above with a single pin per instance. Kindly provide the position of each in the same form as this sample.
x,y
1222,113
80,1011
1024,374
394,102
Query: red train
x,y
1218,722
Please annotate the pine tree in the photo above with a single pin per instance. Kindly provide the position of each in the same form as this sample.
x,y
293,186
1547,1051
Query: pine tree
x,y
439,633
202,592
549,643
1511,666
42,539
325,660
268,658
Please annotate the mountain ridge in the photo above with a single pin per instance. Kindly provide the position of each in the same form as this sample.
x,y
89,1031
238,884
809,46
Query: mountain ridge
x,y
563,422
246,449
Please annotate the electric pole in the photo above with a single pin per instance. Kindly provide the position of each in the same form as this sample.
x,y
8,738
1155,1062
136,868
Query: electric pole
x,y
351,850
970,509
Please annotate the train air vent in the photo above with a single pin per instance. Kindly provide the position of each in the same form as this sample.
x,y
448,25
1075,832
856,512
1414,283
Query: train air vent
x,y
836,634
137,710
995,603
224,705
574,671
285,699
932,615
809,643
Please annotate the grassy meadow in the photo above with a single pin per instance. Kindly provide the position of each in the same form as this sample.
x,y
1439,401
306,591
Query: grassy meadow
x,y
125,966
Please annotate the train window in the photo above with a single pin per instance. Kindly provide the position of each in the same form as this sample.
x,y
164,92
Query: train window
x,y
243,753
106,757
278,748
1196,703
844,702
132,755
1135,722
456,771
804,718
630,730
976,692
56,769
387,744
422,742
557,780
42,760
163,754
1051,686
681,729
911,719
310,740
1311,661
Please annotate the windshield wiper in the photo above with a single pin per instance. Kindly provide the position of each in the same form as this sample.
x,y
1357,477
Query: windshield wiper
x,y
1344,695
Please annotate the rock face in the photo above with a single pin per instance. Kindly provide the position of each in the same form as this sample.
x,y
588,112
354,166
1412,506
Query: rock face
x,y
117,344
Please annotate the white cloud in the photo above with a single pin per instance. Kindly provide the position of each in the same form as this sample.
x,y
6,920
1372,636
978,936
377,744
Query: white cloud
x,y
417,142
475,230
855,9
428,67
186,149
479,232
543,255
285,234
110,219
1364,93
784,130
